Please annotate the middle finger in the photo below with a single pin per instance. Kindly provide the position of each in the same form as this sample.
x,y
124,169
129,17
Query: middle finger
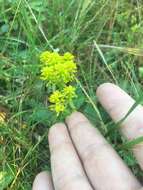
x,y
103,166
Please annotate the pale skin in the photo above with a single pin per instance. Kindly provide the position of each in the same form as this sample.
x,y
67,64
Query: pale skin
x,y
81,158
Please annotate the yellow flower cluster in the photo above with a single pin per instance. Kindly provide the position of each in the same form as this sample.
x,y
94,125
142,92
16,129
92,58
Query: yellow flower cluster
x,y
59,96
61,99
58,71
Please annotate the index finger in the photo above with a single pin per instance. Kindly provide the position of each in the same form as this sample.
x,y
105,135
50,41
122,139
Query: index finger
x,y
102,164
117,103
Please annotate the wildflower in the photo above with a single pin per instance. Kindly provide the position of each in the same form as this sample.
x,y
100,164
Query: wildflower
x,y
61,99
59,74
69,92
58,108
68,56
50,58
56,97
58,70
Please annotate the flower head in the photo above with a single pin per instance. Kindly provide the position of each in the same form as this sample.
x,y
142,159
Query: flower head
x,y
58,70
50,58
61,99
56,97
69,92
68,56
58,108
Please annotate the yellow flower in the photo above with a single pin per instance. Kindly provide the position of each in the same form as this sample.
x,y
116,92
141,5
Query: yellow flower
x,y
58,102
56,97
61,99
45,56
58,108
69,92
50,58
68,56
58,70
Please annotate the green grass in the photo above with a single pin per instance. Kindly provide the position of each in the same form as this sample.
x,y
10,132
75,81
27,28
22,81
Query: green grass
x,y
106,38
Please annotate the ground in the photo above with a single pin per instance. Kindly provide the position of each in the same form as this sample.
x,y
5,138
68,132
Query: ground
x,y
106,39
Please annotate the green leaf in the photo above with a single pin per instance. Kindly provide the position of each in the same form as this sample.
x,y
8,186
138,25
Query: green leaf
x,y
80,99
42,115
132,143
90,112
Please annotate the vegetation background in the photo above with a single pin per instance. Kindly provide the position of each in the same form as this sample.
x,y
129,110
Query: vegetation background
x,y
106,37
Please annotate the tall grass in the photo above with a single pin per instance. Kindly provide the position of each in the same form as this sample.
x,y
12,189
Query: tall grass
x,y
106,38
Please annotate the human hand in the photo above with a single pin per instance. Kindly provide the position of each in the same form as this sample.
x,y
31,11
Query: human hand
x,y
80,156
